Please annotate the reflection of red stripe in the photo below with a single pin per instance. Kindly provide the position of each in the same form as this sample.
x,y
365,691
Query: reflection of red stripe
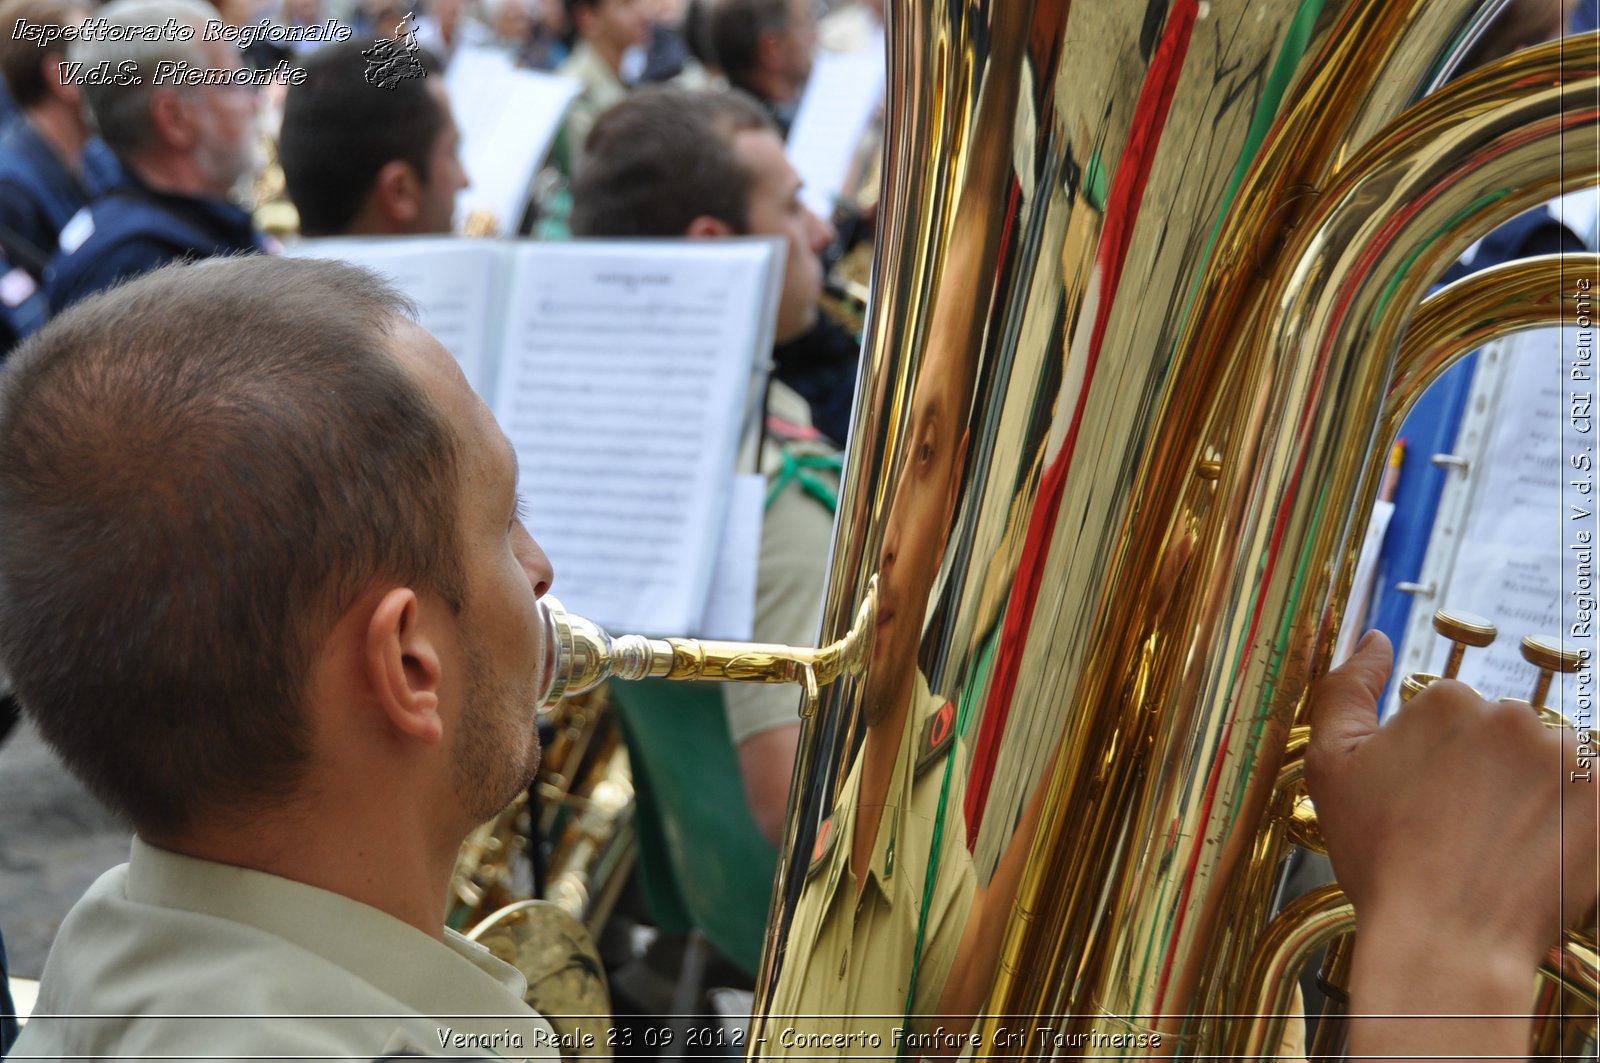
x,y
1122,211
822,840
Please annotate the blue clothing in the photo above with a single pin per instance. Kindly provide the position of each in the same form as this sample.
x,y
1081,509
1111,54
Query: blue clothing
x,y
822,366
39,194
134,229
1586,17
23,307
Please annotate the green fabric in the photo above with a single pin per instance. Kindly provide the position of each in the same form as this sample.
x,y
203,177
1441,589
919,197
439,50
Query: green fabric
x,y
702,860
797,468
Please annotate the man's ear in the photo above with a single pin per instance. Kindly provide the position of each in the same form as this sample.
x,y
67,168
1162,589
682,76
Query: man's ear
x,y
172,120
397,193
705,226
769,50
53,73
401,666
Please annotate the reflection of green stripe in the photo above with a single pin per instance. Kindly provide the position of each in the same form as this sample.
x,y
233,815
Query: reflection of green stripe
x,y
1096,183
1448,228
930,879
1277,83
977,682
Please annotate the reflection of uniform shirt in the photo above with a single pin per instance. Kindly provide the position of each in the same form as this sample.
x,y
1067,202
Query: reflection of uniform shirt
x,y
168,935
851,953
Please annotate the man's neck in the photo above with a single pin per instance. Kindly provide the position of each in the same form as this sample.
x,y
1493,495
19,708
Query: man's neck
x,y
61,127
771,86
370,221
388,866
609,53
176,174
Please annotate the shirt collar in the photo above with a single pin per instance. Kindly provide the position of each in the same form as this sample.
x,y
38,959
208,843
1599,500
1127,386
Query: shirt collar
x,y
888,849
363,940
228,221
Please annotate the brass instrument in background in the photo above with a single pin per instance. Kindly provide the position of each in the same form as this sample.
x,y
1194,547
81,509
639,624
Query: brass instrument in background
x,y
1143,273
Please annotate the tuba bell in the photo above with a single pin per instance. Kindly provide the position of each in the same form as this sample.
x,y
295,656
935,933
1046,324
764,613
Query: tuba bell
x,y
1143,276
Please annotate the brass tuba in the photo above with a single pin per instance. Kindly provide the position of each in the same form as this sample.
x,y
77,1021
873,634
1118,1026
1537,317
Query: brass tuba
x,y
1144,273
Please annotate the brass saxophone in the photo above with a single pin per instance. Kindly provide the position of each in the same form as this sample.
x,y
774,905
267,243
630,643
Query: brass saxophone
x,y
1131,354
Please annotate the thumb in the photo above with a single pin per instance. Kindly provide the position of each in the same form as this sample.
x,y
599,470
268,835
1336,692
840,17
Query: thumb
x,y
1344,703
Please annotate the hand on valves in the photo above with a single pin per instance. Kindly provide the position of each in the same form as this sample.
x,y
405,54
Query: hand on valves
x,y
1466,839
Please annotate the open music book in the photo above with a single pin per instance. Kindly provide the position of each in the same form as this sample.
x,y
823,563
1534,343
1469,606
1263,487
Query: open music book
x,y
625,374
508,118
1515,536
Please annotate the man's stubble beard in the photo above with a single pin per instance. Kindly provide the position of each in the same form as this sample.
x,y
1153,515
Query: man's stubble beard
x,y
487,777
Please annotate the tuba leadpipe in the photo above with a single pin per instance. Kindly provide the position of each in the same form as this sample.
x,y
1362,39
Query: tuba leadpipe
x,y
587,655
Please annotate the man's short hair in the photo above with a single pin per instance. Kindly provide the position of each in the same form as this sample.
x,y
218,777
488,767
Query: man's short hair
x,y
339,131
23,62
661,158
734,29
121,107
200,472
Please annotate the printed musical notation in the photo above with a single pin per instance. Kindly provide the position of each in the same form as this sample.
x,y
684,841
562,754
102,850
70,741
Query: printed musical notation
x,y
621,372
1514,560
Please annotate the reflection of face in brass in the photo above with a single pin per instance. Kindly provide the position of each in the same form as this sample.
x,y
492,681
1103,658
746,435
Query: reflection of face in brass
x,y
914,541
924,502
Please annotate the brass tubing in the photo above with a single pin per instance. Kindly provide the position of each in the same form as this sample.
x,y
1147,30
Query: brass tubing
x,y
1574,965
1449,170
586,656
1303,926
1405,209
1569,999
1328,1043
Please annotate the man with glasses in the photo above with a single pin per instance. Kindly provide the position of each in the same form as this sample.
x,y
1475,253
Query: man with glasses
x,y
184,147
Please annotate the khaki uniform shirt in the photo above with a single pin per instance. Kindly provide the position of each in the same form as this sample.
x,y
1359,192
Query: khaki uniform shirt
x,y
172,956
796,534
850,952
601,89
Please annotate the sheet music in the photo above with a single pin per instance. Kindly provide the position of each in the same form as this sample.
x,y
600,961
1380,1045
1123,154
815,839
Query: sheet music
x,y
731,605
622,386
1355,618
1515,565
508,118
453,282
844,92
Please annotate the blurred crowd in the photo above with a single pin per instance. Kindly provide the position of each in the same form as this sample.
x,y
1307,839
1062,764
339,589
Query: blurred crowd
x,y
75,133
